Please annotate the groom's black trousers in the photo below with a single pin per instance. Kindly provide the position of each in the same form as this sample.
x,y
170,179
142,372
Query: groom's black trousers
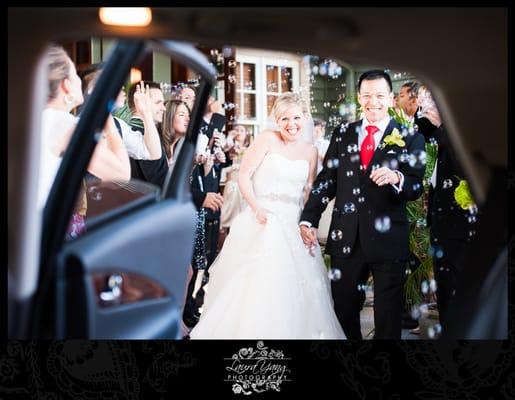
x,y
388,294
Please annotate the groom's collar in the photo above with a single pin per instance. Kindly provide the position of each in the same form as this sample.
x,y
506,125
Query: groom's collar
x,y
382,125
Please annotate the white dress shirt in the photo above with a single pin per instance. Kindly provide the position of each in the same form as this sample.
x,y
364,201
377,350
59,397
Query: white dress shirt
x,y
362,134
377,139
133,141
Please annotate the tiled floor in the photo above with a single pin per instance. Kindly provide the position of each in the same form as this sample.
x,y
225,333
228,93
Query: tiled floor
x,y
367,326
367,321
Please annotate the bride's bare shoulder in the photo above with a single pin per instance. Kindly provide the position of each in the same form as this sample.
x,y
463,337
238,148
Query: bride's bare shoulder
x,y
308,148
269,135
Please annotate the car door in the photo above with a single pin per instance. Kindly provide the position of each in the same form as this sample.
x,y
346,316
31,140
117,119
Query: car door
x,y
125,277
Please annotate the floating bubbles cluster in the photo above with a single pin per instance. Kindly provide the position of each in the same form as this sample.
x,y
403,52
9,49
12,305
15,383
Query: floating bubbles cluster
x,y
324,185
417,159
391,164
355,158
352,148
447,183
94,193
229,106
334,274
435,251
421,223
327,68
333,163
382,224
349,208
336,234
434,331
365,288
347,110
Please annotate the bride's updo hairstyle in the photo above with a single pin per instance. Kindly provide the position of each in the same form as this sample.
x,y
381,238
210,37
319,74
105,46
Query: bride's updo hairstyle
x,y
286,100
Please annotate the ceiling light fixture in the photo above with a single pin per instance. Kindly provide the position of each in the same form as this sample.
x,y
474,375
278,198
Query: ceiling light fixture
x,y
125,16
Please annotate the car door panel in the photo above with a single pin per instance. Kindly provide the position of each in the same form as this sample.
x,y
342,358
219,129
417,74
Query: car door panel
x,y
148,244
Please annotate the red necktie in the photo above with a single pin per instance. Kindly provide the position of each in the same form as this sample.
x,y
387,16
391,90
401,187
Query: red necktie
x,y
368,146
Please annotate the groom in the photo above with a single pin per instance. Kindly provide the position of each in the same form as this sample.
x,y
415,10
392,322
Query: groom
x,y
373,168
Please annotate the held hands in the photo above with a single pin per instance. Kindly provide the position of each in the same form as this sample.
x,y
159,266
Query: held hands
x,y
213,201
384,176
309,237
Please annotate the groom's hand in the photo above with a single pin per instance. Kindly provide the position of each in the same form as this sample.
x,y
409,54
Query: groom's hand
x,y
309,235
384,176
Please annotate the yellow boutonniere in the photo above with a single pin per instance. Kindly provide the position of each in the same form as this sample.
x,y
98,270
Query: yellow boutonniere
x,y
462,195
394,138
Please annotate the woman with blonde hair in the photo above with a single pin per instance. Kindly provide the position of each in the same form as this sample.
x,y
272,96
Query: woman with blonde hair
x,y
109,161
264,283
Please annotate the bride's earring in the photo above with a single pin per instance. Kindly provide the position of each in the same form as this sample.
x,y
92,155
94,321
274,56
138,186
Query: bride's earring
x,y
67,99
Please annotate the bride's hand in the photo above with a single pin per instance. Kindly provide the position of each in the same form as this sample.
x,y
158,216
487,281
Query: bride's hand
x,y
309,235
261,215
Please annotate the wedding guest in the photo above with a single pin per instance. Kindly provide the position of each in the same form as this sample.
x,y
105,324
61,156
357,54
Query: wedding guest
x,y
109,160
216,158
140,146
395,102
175,123
233,199
188,95
153,171
321,143
409,104
451,225
212,126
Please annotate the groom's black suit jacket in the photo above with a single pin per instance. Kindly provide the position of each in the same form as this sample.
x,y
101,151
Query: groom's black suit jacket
x,y
349,184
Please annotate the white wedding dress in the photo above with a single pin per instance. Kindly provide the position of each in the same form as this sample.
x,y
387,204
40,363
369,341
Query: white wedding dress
x,y
264,284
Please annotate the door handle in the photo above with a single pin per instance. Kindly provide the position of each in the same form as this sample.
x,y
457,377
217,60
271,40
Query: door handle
x,y
112,294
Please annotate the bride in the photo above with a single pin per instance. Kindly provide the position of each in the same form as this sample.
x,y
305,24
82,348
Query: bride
x,y
265,284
